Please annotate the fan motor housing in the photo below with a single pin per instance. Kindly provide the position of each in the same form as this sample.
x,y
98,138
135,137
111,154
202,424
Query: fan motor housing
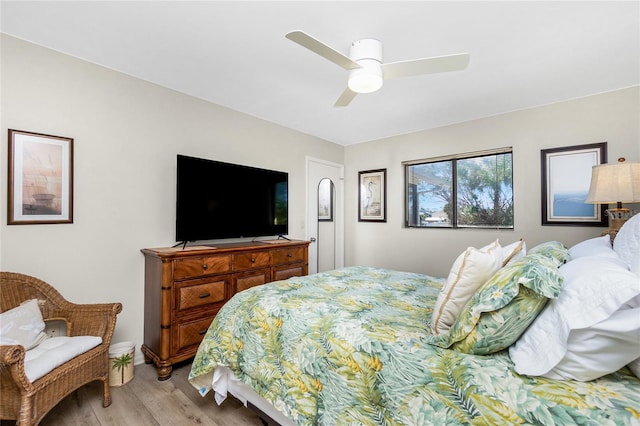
x,y
367,48
368,54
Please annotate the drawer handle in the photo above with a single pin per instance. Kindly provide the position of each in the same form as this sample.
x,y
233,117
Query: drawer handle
x,y
253,260
290,255
205,266
204,295
202,332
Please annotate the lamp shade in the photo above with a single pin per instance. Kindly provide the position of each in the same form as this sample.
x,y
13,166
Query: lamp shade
x,y
614,183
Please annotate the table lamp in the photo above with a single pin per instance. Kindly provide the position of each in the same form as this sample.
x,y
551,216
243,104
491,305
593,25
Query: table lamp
x,y
615,183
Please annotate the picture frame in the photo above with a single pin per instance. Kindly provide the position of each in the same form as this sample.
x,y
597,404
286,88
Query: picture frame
x,y
40,181
566,177
325,200
372,195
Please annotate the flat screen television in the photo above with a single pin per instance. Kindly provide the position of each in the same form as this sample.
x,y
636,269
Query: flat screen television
x,y
217,200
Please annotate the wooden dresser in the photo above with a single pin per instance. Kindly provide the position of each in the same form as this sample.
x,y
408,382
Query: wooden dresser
x,y
185,289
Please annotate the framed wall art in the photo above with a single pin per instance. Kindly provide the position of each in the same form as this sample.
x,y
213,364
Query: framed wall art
x,y
40,179
566,176
372,196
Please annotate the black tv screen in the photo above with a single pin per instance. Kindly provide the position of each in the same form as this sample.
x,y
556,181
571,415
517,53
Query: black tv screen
x,y
217,200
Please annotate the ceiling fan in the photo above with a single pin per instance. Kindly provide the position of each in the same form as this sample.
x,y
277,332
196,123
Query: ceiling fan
x,y
365,66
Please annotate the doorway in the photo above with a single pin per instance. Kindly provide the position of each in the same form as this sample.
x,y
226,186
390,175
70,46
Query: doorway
x,y
325,215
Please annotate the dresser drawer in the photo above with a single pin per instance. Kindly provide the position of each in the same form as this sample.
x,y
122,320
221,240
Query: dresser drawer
x,y
256,278
201,292
291,271
191,333
199,266
255,259
288,255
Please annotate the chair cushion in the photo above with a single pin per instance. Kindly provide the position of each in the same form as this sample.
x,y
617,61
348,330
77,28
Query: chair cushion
x,y
54,352
22,325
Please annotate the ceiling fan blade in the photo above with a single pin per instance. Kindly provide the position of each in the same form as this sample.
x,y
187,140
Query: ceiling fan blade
x,y
345,98
316,46
425,66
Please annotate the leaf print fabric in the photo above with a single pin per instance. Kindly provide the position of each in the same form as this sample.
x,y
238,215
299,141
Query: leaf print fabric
x,y
502,309
350,347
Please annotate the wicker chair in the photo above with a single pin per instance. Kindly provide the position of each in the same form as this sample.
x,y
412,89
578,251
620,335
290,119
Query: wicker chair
x,y
28,402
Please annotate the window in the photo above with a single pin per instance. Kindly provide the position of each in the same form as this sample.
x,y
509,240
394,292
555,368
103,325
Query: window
x,y
472,190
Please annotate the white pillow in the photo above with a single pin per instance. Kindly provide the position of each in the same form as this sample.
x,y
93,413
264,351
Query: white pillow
x,y
470,270
601,349
513,251
627,243
599,246
634,366
22,325
594,289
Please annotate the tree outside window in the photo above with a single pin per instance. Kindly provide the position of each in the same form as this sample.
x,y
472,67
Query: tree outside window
x,y
475,191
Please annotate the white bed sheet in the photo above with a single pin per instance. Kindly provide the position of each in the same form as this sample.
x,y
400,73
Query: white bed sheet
x,y
225,383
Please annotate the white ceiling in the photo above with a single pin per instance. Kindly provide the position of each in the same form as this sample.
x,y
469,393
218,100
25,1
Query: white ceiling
x,y
234,53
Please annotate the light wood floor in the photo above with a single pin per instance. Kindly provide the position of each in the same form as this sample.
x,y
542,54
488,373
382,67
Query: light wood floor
x,y
146,401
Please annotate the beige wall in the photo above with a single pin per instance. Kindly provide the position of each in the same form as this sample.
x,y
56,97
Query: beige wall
x,y
612,117
126,133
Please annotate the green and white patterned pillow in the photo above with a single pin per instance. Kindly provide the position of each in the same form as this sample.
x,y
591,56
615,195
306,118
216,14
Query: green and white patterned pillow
x,y
503,308
552,249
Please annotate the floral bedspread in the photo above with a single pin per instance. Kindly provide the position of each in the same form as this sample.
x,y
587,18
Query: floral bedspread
x,y
349,347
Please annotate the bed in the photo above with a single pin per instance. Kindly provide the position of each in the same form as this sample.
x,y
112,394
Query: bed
x,y
360,345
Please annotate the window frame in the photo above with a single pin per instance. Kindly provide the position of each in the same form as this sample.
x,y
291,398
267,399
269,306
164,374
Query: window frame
x,y
453,222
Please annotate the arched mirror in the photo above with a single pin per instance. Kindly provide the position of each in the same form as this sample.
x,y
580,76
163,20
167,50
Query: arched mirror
x,y
326,225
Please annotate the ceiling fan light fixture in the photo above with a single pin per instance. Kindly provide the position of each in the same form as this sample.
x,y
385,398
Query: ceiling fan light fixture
x,y
366,68
368,54
367,79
